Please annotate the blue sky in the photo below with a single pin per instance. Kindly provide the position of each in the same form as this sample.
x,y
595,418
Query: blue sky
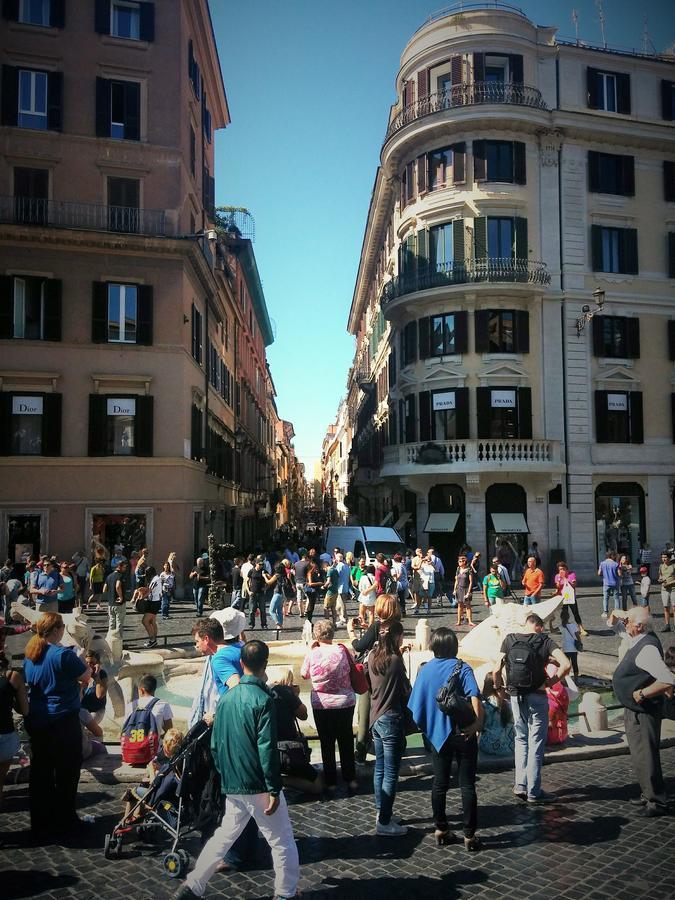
x,y
309,84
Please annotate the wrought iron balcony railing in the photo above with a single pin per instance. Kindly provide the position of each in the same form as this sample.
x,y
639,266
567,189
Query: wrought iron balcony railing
x,y
467,94
90,216
424,278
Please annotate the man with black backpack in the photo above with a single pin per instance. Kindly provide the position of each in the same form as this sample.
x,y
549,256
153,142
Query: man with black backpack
x,y
525,655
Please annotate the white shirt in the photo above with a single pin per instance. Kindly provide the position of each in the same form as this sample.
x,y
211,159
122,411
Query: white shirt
x,y
161,710
245,569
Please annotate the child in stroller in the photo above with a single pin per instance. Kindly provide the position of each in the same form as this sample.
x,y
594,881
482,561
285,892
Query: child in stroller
x,y
165,794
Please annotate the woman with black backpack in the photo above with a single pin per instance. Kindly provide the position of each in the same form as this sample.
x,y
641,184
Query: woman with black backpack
x,y
446,682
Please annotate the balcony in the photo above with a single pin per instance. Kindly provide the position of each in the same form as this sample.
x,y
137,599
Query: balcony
x,y
493,455
480,271
89,216
467,94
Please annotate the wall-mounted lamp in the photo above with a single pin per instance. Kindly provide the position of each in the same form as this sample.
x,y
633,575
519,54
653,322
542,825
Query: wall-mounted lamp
x,y
185,319
587,313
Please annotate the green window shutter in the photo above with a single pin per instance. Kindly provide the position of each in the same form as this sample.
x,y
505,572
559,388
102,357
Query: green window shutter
x,y
478,67
422,252
54,101
519,168
593,88
671,254
5,423
51,425
597,324
637,435
6,307
144,293
669,179
99,313
103,92
601,425
423,326
521,248
629,251
57,14
147,22
459,163
633,337
98,425
10,10
52,311
483,411
458,250
480,238
461,332
10,95
522,335
479,161
422,173
667,88
623,94
481,322
102,16
596,248
593,170
628,176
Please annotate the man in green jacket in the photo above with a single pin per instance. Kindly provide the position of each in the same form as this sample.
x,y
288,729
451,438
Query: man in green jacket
x,y
244,746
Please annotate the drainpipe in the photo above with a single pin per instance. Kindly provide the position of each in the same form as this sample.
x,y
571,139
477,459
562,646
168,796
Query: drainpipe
x,y
562,300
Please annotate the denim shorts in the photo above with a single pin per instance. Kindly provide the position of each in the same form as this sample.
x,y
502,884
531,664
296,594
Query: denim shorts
x,y
9,745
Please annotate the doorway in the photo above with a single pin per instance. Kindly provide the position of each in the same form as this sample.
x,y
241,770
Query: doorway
x,y
448,498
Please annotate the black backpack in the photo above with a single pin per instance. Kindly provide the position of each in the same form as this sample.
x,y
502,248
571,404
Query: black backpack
x,y
525,667
390,584
452,702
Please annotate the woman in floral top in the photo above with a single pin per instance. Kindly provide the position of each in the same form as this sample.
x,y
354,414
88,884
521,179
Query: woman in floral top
x,y
328,666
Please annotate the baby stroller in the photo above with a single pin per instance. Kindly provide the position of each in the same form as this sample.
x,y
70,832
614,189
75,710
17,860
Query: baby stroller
x,y
171,802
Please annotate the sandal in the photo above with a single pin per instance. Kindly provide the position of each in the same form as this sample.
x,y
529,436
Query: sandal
x,y
444,837
472,844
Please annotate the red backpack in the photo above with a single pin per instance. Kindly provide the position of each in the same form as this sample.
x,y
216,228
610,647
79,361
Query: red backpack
x,y
140,736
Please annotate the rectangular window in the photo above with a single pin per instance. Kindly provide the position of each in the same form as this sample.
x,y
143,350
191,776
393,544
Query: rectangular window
x,y
609,91
444,416
503,414
443,335
123,204
501,331
441,257
35,12
26,426
118,109
32,111
499,160
122,313
611,250
500,238
616,337
31,192
611,173
440,168
29,308
125,19
614,249
668,100
121,430
618,419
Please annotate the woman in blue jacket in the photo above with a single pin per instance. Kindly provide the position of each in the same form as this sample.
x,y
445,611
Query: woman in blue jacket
x,y
447,741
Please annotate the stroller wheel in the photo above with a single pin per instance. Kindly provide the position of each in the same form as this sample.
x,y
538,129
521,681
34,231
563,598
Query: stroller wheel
x,y
112,846
173,865
106,847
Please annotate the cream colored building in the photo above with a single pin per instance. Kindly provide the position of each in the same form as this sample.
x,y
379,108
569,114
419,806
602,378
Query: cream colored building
x,y
522,179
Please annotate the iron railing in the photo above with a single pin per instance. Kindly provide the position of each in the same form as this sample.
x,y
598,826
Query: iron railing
x,y
90,216
423,278
467,94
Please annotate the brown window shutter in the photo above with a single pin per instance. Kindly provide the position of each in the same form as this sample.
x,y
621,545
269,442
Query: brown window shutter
x,y
478,68
456,70
459,163
408,93
479,161
422,173
422,83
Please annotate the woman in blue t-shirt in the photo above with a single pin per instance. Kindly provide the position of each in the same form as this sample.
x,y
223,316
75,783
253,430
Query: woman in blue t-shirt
x,y
53,674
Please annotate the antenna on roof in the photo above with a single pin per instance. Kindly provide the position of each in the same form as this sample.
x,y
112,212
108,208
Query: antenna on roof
x,y
647,43
575,21
601,18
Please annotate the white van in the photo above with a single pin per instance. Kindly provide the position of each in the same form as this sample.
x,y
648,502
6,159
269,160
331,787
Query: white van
x,y
364,540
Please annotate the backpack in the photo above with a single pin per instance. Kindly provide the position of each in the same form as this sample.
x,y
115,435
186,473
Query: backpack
x,y
451,701
390,583
140,736
525,668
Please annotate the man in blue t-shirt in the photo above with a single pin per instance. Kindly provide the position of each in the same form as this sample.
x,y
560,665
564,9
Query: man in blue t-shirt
x,y
226,661
610,583
46,588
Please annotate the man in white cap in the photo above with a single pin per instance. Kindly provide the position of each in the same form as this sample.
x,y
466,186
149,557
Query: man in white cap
x,y
226,662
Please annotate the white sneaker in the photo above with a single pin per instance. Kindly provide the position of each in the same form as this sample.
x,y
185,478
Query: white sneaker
x,y
391,830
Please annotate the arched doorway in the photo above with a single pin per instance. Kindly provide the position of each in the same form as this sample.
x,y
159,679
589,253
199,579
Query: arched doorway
x,y
447,540
506,525
619,518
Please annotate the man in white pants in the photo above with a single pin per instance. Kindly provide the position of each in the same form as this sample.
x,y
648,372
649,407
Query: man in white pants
x,y
244,747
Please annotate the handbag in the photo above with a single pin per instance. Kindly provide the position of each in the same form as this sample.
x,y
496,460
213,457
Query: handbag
x,y
294,755
357,674
452,702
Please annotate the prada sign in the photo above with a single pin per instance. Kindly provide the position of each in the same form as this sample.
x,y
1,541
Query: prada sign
x,y
446,400
27,406
122,407
503,399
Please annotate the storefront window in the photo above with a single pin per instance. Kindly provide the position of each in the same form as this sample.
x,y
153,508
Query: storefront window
x,y
619,519
119,535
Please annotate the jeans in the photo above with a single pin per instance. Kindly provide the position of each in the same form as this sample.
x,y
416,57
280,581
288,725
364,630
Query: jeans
x,y
200,594
626,591
530,600
257,601
401,593
237,601
530,717
277,608
311,602
336,725
166,604
389,738
466,753
56,747
610,590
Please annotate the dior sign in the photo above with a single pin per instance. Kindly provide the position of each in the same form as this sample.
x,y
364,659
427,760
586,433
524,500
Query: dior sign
x,y
122,407
27,406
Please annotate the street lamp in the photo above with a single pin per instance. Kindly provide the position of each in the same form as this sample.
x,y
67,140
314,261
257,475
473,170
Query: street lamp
x,y
587,313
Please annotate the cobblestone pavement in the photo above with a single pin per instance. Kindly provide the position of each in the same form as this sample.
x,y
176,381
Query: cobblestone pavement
x,y
590,844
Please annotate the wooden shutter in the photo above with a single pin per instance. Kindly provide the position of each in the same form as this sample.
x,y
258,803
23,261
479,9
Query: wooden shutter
x,y
478,67
10,95
6,307
425,415
52,311
461,332
456,70
103,89
593,88
596,248
593,170
102,16
632,337
392,367
132,111
480,249
520,228
422,252
667,100
422,173
637,435
98,425
408,93
422,83
483,411
598,324
462,413
10,10
459,163
522,335
51,425
671,254
525,413
99,312
144,425
5,423
671,339
623,94
54,101
144,323
516,66
479,161
519,168
423,327
147,22
629,251
627,184
57,14
669,179
672,414
481,323
601,429
458,252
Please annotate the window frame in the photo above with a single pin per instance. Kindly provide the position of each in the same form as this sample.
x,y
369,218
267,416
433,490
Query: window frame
x,y
123,287
12,427
506,176
611,250
449,348
441,415
130,5
618,421
604,82
20,280
46,14
33,73
502,346
448,167
501,220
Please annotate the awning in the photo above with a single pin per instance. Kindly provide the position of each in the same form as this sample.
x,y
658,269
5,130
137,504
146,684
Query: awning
x,y
400,522
441,522
509,523
387,519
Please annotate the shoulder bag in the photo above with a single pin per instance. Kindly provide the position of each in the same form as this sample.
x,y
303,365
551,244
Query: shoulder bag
x,y
357,674
452,702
